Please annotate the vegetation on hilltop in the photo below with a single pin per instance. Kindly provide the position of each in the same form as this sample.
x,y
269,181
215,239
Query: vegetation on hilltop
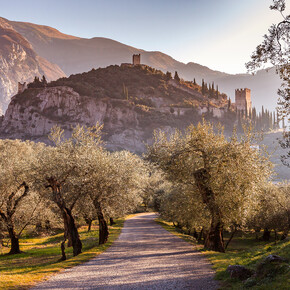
x,y
137,80
146,89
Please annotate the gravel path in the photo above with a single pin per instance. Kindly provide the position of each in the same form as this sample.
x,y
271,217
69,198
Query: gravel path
x,y
145,256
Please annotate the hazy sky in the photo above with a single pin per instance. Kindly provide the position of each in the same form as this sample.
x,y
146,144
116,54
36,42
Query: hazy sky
x,y
220,34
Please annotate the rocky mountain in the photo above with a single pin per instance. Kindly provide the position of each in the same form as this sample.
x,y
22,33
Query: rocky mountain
x,y
74,55
19,62
130,101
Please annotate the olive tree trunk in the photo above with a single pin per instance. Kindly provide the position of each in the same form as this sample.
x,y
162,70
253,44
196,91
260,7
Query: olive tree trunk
x,y
12,204
112,221
266,235
89,222
103,227
15,249
70,229
214,240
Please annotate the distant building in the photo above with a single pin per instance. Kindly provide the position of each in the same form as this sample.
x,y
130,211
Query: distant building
x,y
255,146
136,59
21,87
243,100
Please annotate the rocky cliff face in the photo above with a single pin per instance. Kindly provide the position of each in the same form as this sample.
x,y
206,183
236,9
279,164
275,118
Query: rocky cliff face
x,y
19,63
37,111
129,120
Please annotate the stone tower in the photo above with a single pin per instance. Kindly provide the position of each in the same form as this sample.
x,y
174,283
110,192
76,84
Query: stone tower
x,y
136,59
243,100
21,87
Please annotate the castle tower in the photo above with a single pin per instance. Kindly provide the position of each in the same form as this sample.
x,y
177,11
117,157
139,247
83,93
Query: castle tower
x,y
21,87
243,100
136,59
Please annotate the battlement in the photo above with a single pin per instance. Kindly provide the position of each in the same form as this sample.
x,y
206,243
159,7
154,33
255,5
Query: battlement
x,y
243,90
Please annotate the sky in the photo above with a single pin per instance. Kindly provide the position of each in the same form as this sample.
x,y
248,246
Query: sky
x,y
220,34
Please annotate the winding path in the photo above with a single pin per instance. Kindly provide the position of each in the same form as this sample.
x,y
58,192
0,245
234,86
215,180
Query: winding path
x,y
145,256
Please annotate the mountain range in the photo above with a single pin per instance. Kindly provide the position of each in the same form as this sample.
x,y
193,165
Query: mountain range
x,y
28,50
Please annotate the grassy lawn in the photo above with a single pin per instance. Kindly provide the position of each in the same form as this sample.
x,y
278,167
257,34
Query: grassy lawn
x,y
243,250
40,257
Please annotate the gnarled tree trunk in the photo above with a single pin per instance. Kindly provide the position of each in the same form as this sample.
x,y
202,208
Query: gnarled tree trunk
x,y
62,247
15,249
71,232
266,235
70,229
89,223
284,235
214,240
12,204
111,221
200,235
103,227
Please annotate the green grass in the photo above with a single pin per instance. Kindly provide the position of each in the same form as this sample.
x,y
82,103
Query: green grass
x,y
243,250
40,257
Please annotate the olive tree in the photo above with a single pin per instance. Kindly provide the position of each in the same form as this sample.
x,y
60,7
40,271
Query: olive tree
x,y
61,171
273,212
184,209
153,185
221,176
18,202
112,185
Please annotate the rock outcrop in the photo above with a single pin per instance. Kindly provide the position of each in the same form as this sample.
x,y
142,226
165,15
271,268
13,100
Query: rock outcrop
x,y
19,63
239,272
33,116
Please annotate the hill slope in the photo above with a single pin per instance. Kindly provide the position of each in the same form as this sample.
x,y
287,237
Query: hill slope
x,y
75,55
130,101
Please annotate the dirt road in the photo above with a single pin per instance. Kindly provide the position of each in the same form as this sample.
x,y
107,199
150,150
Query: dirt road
x,y
144,257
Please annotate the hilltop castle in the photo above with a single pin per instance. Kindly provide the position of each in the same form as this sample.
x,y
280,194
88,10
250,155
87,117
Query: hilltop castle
x,y
243,100
136,59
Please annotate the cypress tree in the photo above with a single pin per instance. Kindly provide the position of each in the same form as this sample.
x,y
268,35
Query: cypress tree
x,y
203,87
43,80
229,103
168,76
176,77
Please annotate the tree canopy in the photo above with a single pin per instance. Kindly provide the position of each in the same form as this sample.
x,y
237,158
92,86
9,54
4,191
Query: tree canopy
x,y
217,181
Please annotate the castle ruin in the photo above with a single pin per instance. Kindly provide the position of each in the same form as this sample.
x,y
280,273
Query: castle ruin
x,y
21,87
243,100
136,59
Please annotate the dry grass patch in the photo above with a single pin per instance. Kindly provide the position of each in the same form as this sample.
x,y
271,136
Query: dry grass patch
x,y
40,257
